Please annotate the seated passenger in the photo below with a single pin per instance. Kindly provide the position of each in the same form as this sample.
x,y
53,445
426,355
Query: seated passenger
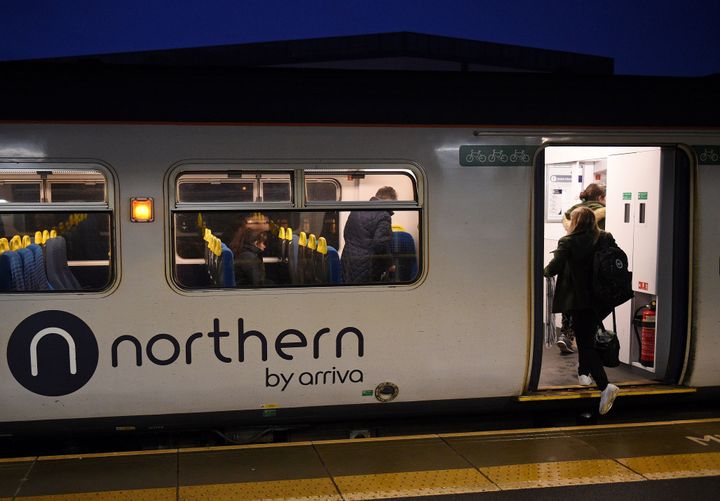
x,y
249,267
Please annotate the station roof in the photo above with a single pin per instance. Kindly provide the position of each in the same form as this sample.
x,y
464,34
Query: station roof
x,y
393,78
383,51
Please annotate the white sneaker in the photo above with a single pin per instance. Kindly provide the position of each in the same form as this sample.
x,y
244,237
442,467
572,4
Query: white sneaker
x,y
585,380
565,345
607,397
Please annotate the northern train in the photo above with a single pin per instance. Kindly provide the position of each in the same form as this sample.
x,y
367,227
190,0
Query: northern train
x,y
124,194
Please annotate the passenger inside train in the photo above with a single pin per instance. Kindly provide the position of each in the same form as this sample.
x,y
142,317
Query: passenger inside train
x,y
249,266
366,256
631,190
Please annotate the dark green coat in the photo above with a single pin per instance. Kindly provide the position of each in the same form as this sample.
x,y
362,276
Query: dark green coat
x,y
573,265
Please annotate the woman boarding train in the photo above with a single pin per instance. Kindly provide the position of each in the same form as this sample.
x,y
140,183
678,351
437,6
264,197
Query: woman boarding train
x,y
573,265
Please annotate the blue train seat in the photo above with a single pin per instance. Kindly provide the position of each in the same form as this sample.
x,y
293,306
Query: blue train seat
x,y
5,272
334,265
28,265
15,267
404,256
59,275
226,275
39,275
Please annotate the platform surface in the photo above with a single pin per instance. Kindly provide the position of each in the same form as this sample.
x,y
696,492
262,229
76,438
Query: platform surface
x,y
585,462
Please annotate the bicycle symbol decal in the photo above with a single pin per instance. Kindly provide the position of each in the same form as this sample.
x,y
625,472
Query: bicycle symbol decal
x,y
496,156
710,154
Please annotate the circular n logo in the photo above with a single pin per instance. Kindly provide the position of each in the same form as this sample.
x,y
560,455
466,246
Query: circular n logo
x,y
52,353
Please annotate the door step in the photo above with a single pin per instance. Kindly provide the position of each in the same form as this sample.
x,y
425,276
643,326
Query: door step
x,y
626,390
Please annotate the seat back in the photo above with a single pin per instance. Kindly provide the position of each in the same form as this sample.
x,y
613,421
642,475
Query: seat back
x,y
227,267
404,256
59,275
39,275
5,272
15,271
334,265
28,264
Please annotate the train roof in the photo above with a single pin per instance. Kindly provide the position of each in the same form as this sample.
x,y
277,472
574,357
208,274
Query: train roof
x,y
211,85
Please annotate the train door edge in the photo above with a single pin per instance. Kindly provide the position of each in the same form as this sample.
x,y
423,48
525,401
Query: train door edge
x,y
537,339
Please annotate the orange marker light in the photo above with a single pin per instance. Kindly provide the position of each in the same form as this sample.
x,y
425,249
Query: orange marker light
x,y
141,210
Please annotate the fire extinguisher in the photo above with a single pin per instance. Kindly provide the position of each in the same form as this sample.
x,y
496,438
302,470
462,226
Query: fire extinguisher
x,y
645,317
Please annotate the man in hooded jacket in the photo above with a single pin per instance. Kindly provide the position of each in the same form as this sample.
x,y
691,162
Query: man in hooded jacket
x,y
366,255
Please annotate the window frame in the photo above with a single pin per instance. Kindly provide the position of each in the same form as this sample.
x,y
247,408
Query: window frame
x,y
72,172
298,204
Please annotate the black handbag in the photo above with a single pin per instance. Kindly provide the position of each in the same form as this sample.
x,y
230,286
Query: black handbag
x,y
607,344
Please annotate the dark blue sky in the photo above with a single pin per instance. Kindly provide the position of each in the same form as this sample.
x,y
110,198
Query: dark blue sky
x,y
645,37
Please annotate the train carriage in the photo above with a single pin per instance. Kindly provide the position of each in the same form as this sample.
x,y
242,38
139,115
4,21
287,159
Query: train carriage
x,y
134,202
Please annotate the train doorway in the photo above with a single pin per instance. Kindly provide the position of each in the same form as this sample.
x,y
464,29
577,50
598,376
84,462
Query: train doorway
x,y
646,207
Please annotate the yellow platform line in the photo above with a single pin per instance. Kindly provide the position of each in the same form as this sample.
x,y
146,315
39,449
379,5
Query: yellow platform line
x,y
582,428
675,465
155,452
624,392
313,489
414,483
164,494
26,459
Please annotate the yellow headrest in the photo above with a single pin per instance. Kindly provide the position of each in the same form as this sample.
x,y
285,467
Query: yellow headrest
x,y
15,243
397,227
38,237
312,242
4,245
302,239
206,235
281,233
53,233
61,226
45,236
322,246
216,246
26,241
288,234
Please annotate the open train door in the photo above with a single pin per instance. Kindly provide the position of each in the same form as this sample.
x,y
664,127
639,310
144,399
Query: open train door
x,y
648,211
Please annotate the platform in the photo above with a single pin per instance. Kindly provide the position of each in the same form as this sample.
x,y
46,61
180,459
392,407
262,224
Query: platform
x,y
645,458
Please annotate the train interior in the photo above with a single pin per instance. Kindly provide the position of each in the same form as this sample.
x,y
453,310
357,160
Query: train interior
x,y
217,247
58,235
640,212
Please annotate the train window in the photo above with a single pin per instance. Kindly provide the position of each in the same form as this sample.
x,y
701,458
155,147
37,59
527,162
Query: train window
x,y
55,229
322,190
275,191
359,185
234,187
19,192
265,245
77,192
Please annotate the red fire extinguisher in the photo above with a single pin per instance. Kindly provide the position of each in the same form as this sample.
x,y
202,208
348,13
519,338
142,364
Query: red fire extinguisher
x,y
645,316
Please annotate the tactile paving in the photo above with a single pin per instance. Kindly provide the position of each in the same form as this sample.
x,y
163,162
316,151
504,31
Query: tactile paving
x,y
415,483
313,489
675,465
555,474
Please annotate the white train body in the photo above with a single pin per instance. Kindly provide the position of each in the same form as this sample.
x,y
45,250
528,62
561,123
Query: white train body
x,y
463,329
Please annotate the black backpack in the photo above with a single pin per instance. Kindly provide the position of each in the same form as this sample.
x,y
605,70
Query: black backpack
x,y
612,281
